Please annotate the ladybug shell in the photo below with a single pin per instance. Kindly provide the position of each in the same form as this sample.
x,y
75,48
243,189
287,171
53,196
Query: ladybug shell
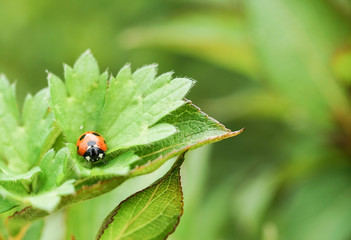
x,y
89,139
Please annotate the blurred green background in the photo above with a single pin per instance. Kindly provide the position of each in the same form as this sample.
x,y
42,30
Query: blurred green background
x,y
281,69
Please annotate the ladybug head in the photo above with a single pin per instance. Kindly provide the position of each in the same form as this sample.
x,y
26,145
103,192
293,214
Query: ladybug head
x,y
94,154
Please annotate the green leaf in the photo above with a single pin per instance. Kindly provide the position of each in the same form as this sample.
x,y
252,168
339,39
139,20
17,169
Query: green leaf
x,y
55,180
144,119
119,166
24,138
19,184
52,172
152,213
6,205
77,104
48,201
127,115
41,188
140,101
195,129
92,212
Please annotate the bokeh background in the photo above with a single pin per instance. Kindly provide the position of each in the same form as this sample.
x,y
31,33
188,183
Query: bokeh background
x,y
279,68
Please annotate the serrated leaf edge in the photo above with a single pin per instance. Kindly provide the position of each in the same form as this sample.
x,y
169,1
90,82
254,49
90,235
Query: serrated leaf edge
x,y
114,212
189,147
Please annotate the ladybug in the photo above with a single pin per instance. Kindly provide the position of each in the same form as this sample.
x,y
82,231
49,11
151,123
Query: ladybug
x,y
91,146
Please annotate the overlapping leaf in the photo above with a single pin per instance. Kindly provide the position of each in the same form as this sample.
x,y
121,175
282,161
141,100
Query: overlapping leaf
x,y
25,138
125,113
49,200
144,119
135,102
77,103
41,187
19,184
195,129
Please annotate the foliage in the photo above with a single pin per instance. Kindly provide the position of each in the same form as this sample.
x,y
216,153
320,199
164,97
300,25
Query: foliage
x,y
145,121
281,69
158,206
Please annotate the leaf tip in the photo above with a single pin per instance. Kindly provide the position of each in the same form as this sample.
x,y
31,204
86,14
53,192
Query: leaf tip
x,y
235,133
84,59
147,69
49,75
87,52
3,77
66,68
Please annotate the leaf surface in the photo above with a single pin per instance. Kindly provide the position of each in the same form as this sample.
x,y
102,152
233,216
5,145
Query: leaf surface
x,y
152,213
145,120
195,129
19,184
124,111
49,200
24,137
77,103
6,205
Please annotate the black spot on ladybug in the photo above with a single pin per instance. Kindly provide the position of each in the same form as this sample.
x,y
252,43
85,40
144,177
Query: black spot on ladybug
x,y
91,143
96,134
77,148
104,141
81,138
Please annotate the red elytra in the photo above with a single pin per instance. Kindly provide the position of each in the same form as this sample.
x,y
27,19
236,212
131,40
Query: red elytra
x,y
88,140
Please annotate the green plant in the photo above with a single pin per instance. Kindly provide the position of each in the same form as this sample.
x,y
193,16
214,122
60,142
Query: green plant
x,y
145,120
